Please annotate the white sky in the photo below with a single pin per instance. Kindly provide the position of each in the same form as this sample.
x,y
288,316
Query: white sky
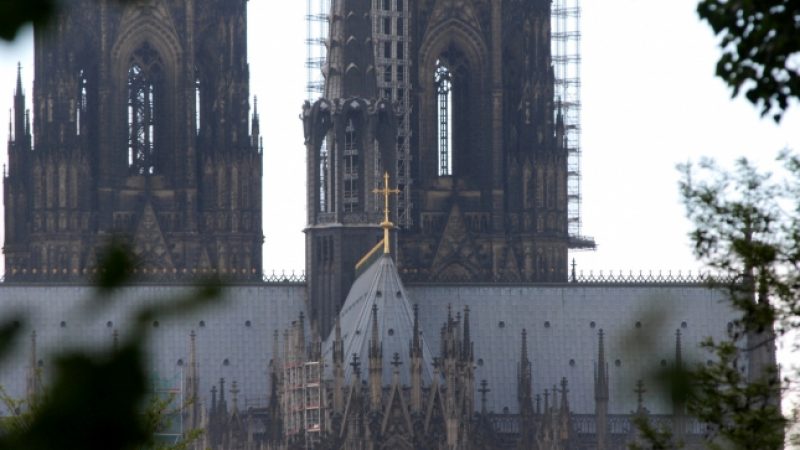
x,y
650,101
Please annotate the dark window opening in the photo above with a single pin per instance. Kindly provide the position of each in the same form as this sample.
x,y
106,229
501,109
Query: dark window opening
x,y
323,176
387,73
351,168
80,112
444,89
197,104
144,76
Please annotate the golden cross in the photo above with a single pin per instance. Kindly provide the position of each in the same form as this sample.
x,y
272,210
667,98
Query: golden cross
x,y
386,224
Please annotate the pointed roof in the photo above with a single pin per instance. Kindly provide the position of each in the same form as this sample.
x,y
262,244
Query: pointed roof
x,y
379,286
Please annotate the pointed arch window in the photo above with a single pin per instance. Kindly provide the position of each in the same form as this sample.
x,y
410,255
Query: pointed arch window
x,y
444,96
351,168
197,104
144,84
80,112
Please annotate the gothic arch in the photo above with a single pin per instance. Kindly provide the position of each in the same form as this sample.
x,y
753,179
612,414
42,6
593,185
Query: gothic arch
x,y
456,37
153,27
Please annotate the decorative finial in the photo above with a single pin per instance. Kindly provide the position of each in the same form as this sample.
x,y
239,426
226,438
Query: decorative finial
x,y
386,224
115,340
19,78
640,390
356,365
235,391
396,361
573,275
483,391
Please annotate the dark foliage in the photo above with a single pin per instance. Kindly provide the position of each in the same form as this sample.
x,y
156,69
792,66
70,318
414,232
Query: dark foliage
x,y
98,399
760,49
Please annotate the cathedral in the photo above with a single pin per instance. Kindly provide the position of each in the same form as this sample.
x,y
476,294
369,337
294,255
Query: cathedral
x,y
438,310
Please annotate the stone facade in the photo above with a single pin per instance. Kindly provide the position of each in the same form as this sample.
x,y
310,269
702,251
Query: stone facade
x,y
455,100
143,129
123,143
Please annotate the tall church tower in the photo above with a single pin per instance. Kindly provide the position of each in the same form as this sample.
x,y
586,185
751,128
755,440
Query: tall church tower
x,y
488,162
350,136
142,128
465,91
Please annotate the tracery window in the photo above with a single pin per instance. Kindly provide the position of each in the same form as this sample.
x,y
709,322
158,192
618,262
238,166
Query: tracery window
x,y
80,110
444,95
197,105
351,168
144,84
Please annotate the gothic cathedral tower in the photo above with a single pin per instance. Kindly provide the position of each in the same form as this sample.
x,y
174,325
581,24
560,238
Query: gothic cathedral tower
x,y
455,98
141,129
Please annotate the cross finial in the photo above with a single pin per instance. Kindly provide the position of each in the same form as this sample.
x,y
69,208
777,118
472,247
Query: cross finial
x,y
386,224
396,361
483,391
356,364
640,390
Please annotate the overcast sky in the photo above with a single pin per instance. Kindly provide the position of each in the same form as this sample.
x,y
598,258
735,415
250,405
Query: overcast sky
x,y
650,101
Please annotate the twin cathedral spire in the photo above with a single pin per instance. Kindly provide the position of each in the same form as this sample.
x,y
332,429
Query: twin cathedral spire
x,y
121,146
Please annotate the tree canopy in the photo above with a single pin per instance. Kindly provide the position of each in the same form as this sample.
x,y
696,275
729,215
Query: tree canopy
x,y
760,49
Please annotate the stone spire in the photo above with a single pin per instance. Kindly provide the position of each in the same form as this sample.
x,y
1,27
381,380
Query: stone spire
x,y
192,386
467,341
639,391
678,405
222,406
338,369
235,393
601,394
527,438
635,434
375,363
275,428
33,382
350,70
524,388
19,107
416,366
483,391
564,417
255,126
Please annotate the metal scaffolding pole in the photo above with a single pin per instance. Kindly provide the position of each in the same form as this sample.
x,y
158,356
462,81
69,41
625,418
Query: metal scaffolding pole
x,y
566,54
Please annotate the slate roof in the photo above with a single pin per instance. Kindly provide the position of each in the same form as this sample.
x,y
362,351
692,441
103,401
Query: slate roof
x,y
563,321
379,285
234,336
561,338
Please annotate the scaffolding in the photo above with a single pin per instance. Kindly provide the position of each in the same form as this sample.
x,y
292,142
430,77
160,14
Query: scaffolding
x,y
317,23
392,51
317,14
566,53
391,36
302,389
171,429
